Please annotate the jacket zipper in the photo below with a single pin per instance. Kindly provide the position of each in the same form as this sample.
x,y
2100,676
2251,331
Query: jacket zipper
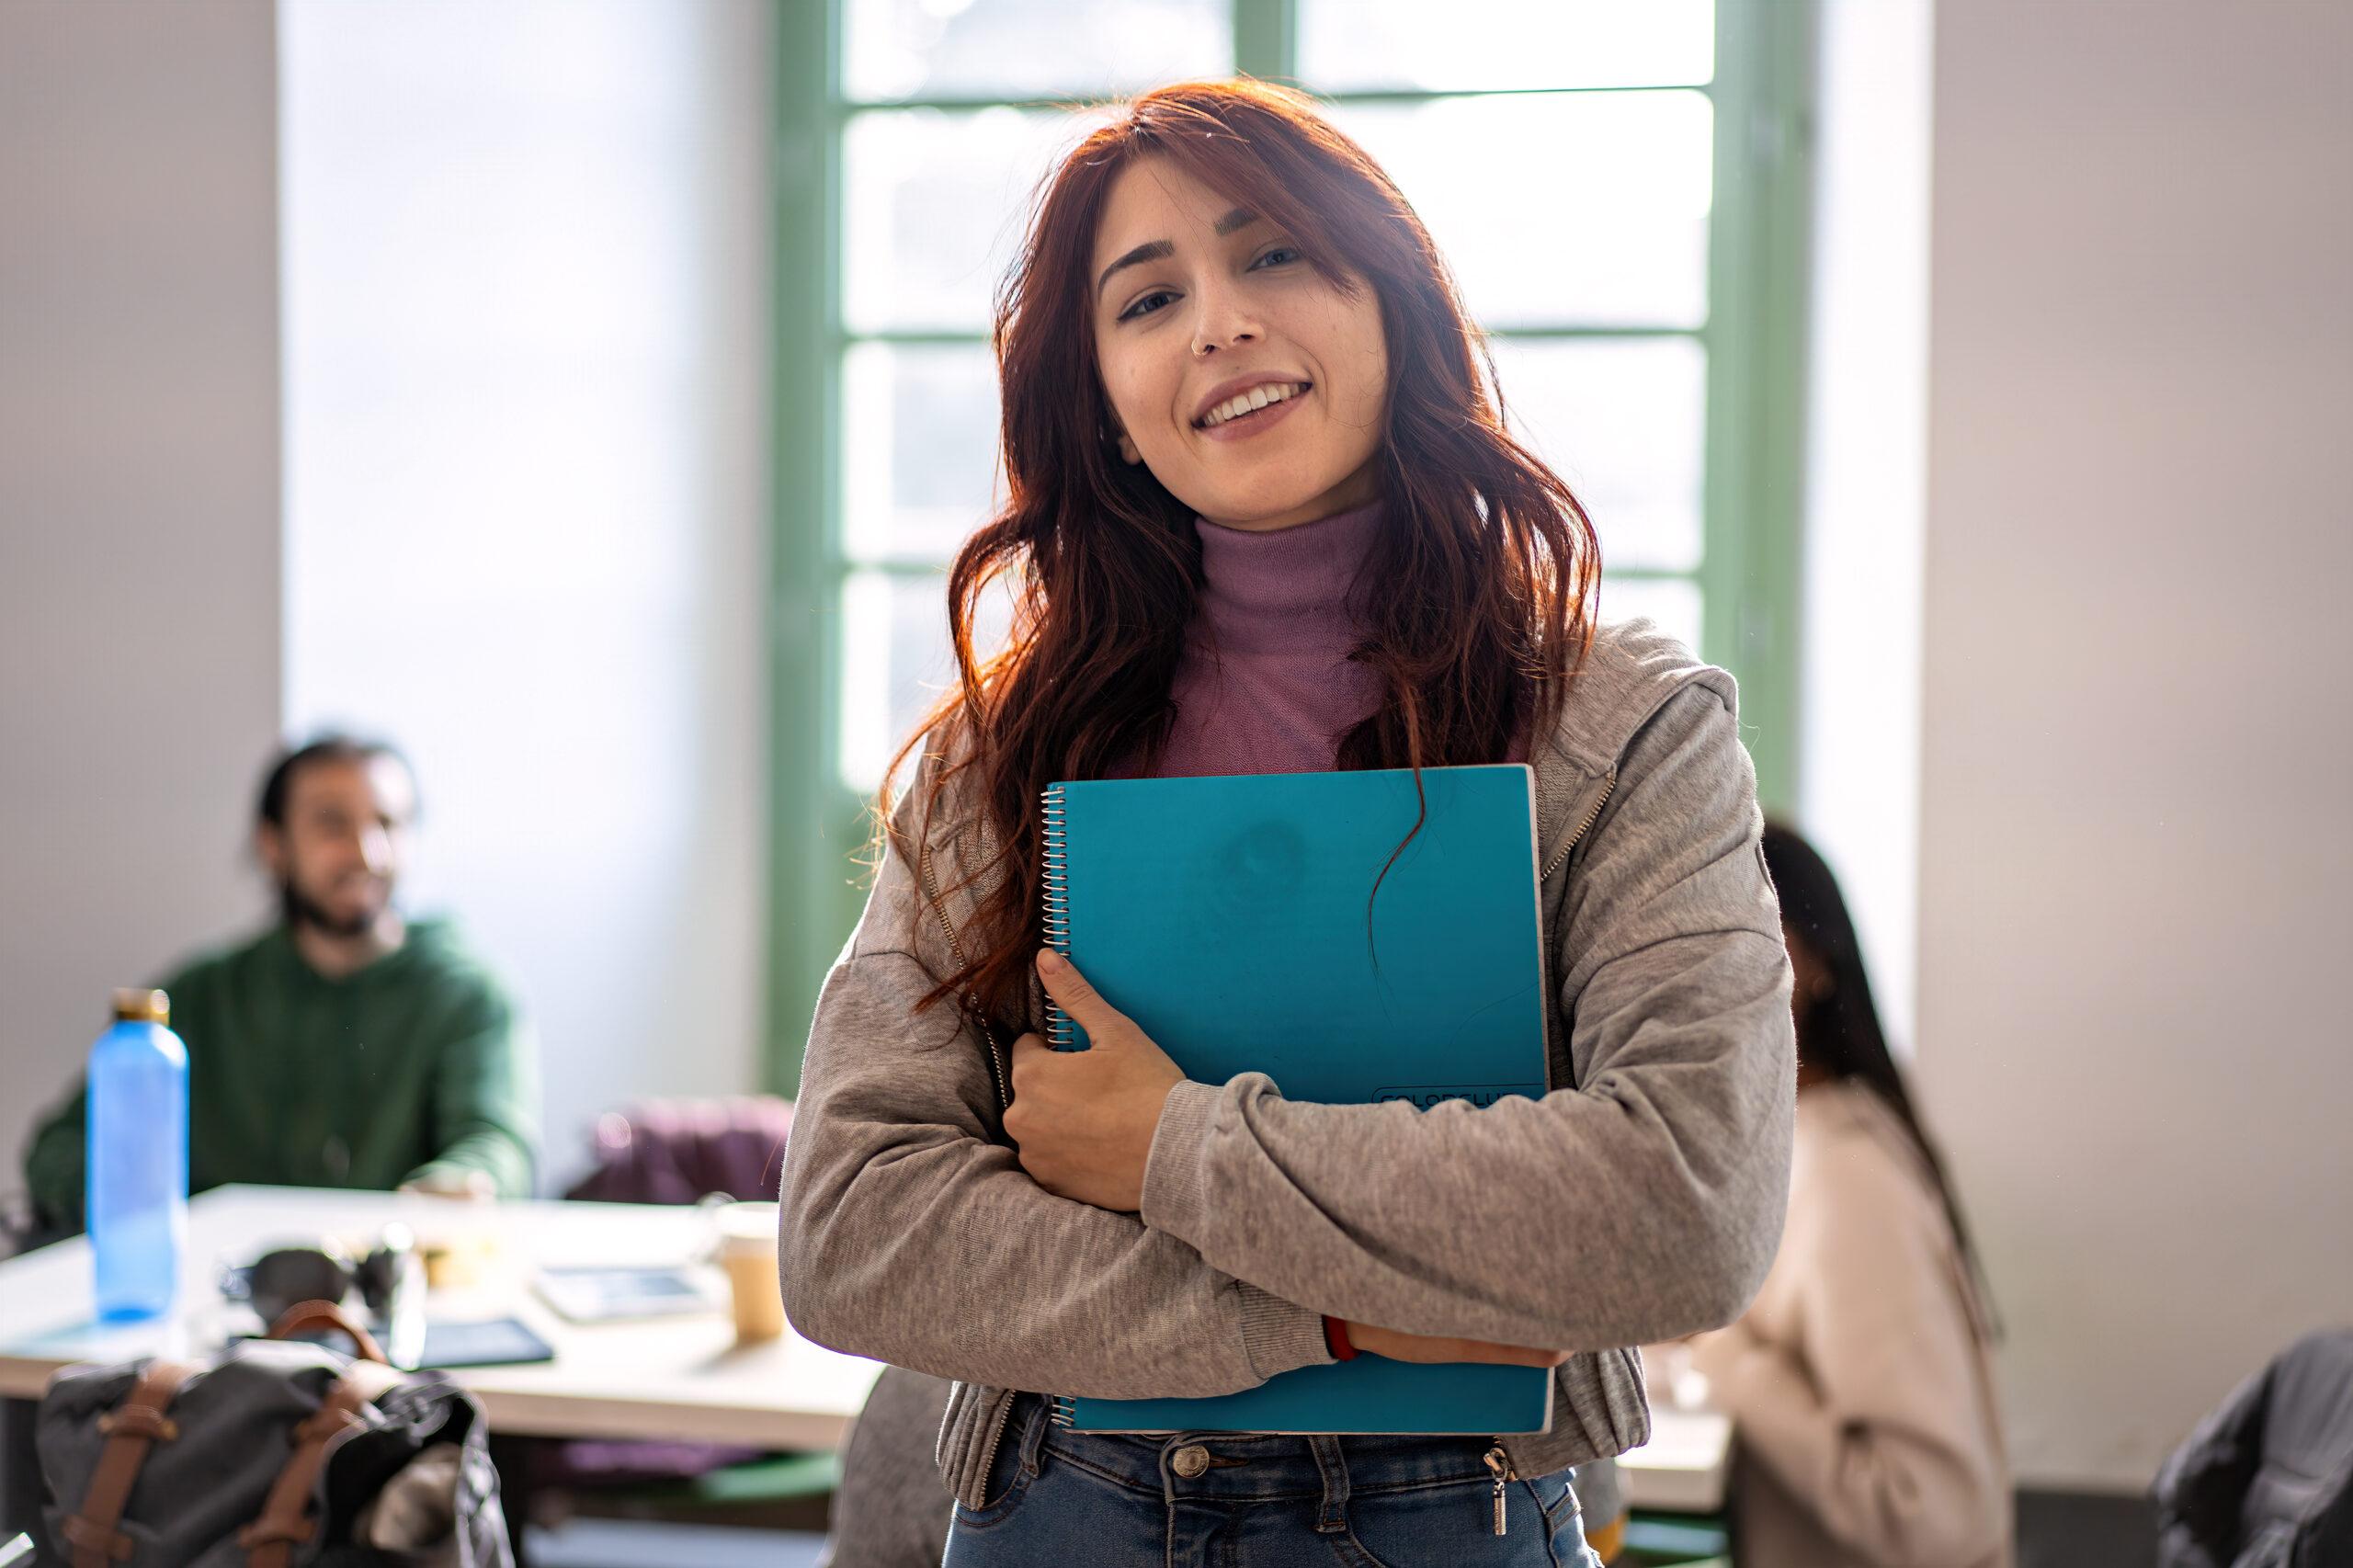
x,y
1003,1103
1562,852
956,949
1498,1458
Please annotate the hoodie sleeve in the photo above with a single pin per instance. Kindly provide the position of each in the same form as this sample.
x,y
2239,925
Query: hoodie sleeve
x,y
485,1083
909,1232
1645,1203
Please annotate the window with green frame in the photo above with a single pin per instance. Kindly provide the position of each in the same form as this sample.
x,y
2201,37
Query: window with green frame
x,y
1621,190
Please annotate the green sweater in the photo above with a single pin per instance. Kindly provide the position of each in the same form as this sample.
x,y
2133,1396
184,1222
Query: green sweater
x,y
418,1065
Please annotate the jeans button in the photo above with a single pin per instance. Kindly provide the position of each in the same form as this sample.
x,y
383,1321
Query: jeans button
x,y
1189,1460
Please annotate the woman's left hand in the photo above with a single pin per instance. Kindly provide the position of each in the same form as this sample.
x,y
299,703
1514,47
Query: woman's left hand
x,y
1084,1119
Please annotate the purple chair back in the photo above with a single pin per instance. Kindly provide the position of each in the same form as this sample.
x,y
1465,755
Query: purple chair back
x,y
683,1151
672,1151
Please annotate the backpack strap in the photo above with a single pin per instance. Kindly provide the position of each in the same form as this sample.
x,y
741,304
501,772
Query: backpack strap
x,y
286,1521
316,1314
131,1428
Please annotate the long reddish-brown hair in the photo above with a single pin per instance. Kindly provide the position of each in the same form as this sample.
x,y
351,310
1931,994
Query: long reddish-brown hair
x,y
1492,557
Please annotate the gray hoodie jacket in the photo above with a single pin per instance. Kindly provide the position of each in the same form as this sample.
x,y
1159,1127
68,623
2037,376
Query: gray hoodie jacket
x,y
1641,1199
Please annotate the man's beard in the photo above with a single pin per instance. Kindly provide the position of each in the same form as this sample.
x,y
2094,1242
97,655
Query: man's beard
x,y
298,908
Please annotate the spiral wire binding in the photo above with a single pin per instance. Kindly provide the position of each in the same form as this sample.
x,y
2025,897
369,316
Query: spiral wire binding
x,y
1060,1032
1061,1410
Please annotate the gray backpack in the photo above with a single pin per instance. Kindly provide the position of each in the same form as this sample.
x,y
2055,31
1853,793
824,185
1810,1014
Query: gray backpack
x,y
2267,1481
277,1454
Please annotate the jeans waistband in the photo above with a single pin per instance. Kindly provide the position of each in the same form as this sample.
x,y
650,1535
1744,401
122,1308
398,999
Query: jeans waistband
x,y
1235,1467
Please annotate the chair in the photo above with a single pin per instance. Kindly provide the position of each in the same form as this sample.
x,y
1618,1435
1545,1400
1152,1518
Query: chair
x,y
684,1150
2267,1481
681,1152
891,1510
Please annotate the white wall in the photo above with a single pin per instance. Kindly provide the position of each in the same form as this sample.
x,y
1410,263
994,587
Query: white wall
x,y
2136,847
526,338
139,495
1866,436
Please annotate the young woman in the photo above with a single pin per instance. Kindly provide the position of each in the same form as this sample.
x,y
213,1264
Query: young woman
x,y
1859,1379
1263,515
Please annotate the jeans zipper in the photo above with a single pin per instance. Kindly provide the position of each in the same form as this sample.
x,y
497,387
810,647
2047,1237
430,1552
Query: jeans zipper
x,y
1499,1466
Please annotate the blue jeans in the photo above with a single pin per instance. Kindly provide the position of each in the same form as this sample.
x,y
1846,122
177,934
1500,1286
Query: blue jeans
x,y
1067,1499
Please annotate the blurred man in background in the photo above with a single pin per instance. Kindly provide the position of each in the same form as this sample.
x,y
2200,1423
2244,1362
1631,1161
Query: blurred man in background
x,y
348,1045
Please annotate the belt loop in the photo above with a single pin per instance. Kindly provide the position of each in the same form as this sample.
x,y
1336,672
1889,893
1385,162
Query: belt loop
x,y
1033,1438
1334,1518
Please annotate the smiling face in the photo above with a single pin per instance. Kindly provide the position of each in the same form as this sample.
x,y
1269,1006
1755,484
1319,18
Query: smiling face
x,y
1198,305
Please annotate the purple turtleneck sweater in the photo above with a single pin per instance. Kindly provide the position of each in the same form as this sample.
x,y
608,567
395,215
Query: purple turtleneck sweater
x,y
1265,685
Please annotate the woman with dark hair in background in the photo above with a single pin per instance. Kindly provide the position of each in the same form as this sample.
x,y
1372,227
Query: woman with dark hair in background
x,y
1859,1381
1263,515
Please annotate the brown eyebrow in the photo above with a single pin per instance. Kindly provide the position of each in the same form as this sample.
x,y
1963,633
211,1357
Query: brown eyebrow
x,y
1159,250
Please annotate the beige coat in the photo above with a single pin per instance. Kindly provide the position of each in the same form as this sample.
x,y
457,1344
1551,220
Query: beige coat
x,y
1858,1379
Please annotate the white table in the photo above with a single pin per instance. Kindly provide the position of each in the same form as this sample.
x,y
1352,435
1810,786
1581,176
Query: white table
x,y
680,1379
683,1378
1682,1469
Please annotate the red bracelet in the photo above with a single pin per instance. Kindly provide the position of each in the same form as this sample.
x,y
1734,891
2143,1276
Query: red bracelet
x,y
1335,1340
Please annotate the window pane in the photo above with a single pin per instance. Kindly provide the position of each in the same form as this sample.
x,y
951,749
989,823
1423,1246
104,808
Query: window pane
x,y
932,208
1625,424
1559,208
903,49
896,663
1673,602
1506,43
919,448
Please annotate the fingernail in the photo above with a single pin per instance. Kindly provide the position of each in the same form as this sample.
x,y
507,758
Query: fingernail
x,y
1048,960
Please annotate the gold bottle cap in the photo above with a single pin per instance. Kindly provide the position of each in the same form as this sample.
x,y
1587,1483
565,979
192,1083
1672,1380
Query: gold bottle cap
x,y
142,1008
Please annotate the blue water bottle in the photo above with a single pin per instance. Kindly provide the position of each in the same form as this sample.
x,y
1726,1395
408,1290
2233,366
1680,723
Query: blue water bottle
x,y
138,1158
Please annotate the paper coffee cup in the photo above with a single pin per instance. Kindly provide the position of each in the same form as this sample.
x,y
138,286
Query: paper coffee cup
x,y
747,1252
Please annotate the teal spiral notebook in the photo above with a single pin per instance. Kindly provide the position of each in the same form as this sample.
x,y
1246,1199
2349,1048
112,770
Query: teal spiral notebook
x,y
1237,921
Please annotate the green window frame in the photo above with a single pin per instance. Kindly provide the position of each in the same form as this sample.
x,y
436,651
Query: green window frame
x,y
1753,335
